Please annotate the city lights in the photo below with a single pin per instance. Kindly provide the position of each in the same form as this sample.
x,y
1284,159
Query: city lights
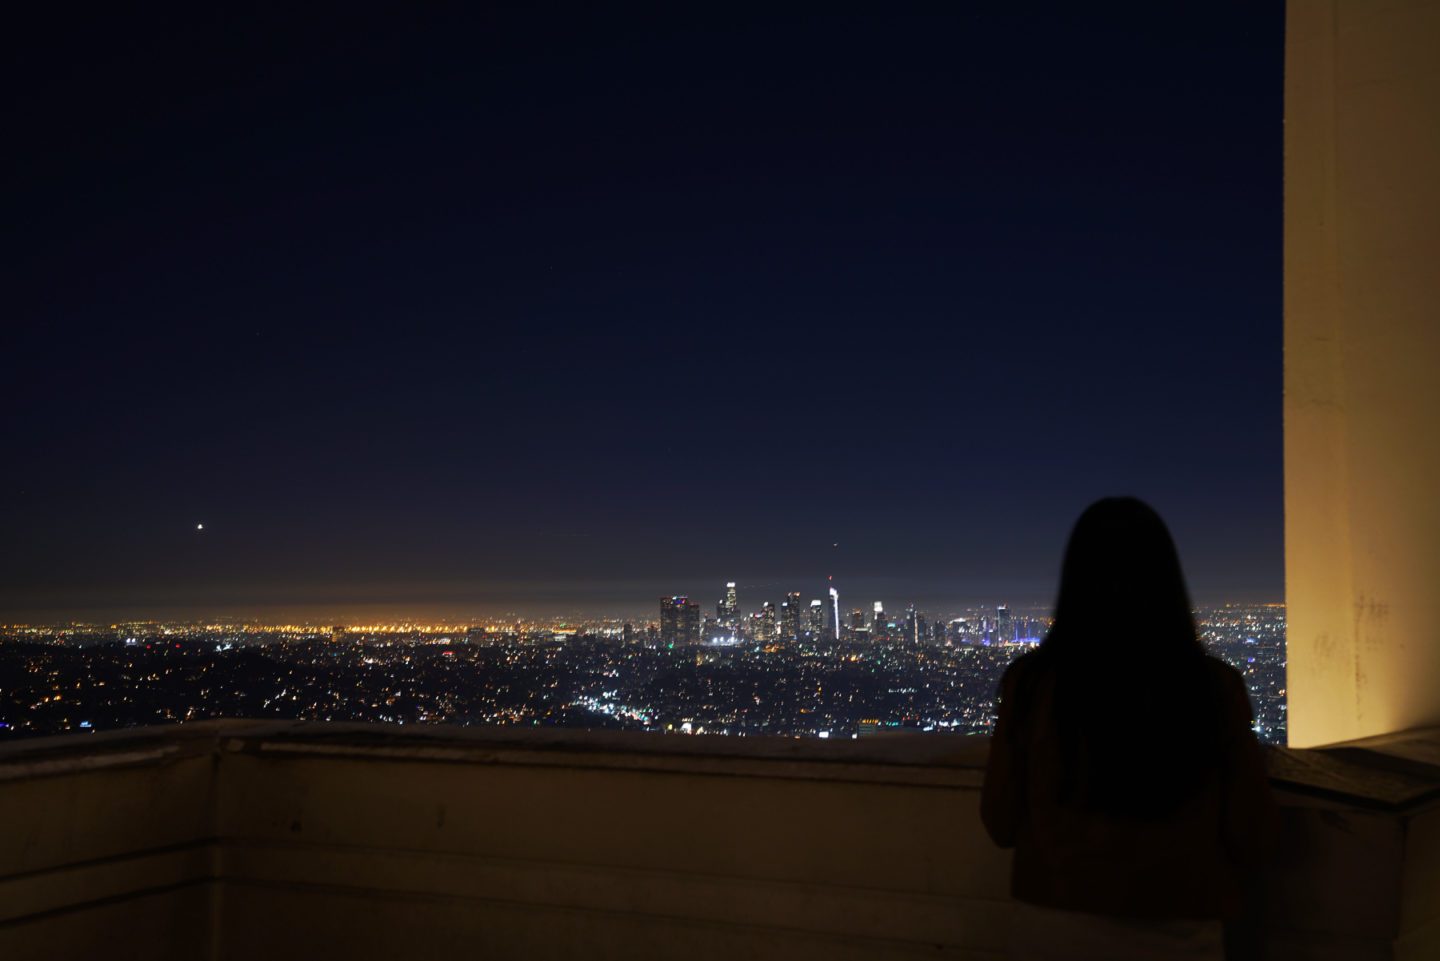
x,y
785,672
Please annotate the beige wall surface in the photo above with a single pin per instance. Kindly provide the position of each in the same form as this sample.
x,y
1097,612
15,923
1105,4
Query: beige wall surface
x,y
1362,367
243,847
111,860
563,862
231,840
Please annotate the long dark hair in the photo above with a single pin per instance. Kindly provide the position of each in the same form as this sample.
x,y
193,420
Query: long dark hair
x,y
1136,715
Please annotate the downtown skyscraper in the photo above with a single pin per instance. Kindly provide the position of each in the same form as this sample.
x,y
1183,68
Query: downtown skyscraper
x,y
727,611
790,617
679,621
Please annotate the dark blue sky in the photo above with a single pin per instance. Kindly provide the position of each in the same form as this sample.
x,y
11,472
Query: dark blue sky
x,y
537,308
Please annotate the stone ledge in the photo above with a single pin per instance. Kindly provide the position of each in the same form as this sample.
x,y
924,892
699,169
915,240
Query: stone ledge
x,y
1395,773
941,760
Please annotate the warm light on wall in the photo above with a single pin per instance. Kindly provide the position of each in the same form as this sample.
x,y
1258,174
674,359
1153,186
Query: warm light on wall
x,y
1362,399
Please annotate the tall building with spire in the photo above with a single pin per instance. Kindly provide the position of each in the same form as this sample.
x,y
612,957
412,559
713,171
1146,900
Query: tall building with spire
x,y
835,611
727,612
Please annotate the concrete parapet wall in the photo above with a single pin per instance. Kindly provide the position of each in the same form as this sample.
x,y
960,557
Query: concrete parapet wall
x,y
236,840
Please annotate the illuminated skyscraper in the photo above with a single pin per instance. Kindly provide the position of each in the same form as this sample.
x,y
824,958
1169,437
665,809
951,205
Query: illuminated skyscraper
x,y
1004,625
790,617
679,621
879,626
835,611
690,623
727,612
816,623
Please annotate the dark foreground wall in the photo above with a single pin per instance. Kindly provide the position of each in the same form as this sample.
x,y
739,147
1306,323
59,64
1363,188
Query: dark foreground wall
x,y
238,840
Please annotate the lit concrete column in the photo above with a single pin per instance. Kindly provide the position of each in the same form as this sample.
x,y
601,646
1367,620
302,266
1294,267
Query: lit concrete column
x,y
1362,366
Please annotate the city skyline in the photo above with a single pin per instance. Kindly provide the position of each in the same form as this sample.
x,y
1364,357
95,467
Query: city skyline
x,y
607,675
750,595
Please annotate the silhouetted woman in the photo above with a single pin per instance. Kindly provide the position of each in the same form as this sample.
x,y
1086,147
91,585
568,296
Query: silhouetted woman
x,y
1123,769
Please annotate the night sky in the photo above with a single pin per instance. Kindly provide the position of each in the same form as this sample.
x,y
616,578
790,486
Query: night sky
x,y
458,311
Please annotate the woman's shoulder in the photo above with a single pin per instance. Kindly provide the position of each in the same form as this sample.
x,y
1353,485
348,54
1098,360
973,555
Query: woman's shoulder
x,y
1231,690
1022,666
1229,680
1022,670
